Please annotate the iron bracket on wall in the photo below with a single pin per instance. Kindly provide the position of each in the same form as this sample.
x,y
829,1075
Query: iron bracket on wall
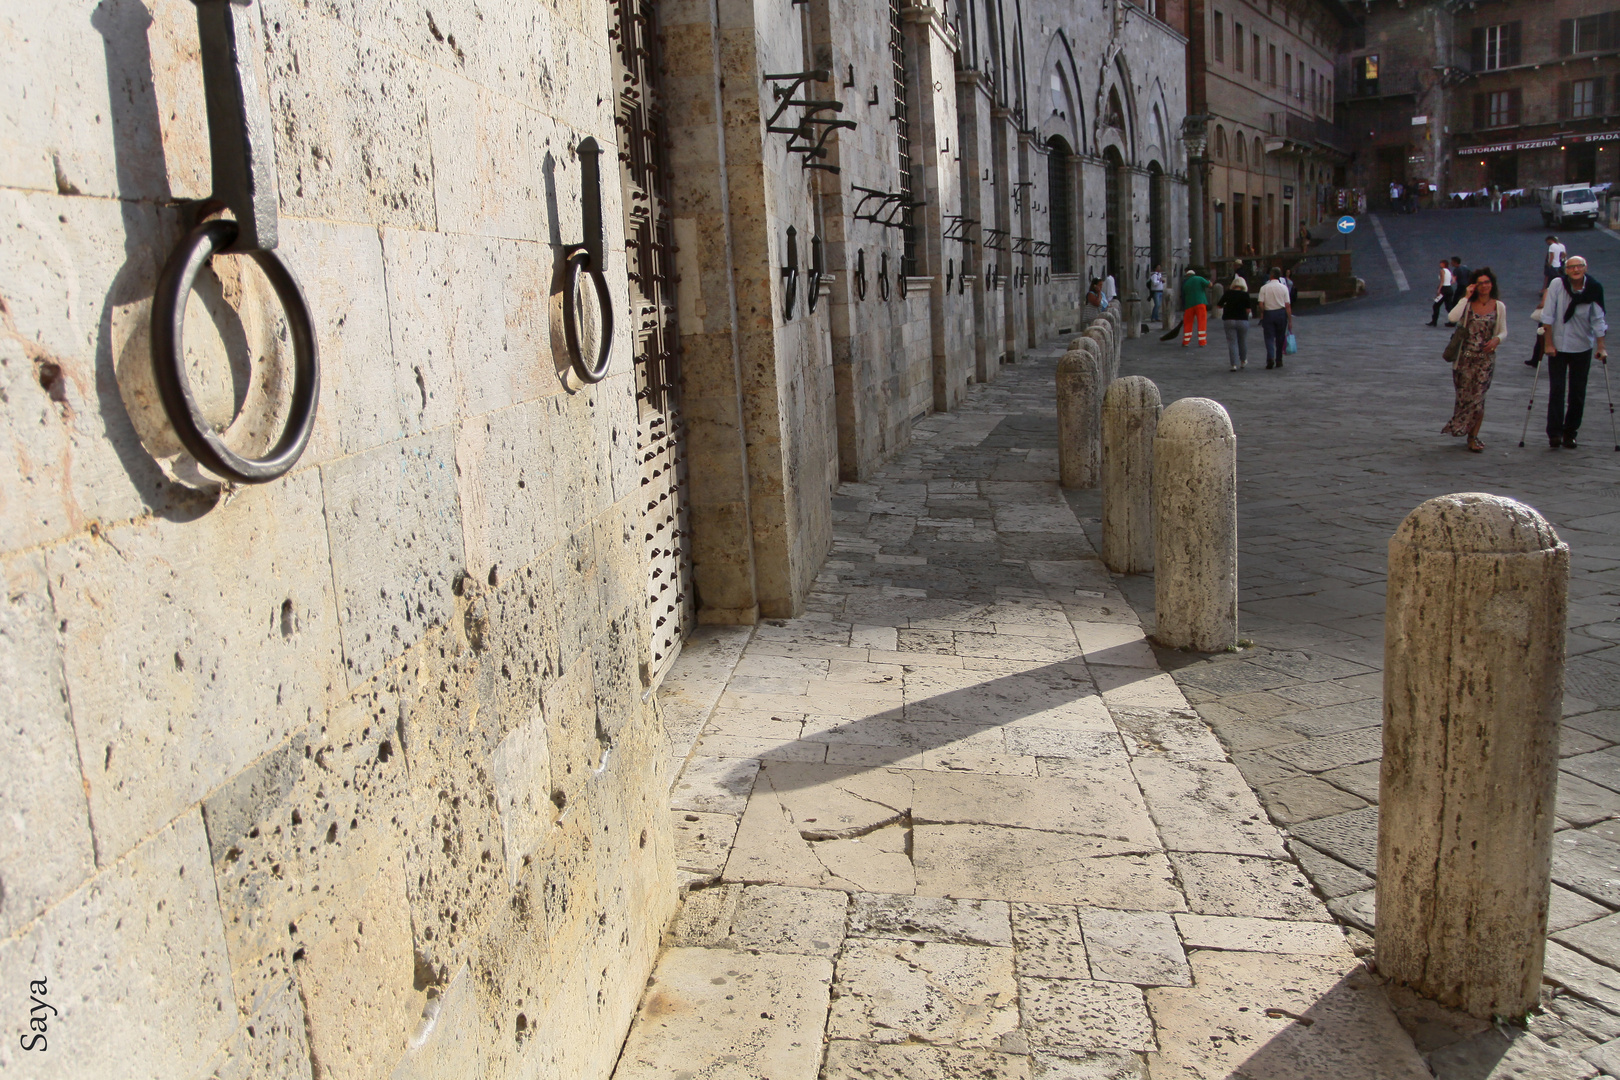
x,y
887,208
957,228
586,260
996,239
804,138
244,182
1041,249
1023,245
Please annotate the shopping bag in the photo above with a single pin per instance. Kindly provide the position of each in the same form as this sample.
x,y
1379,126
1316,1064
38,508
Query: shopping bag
x,y
1293,345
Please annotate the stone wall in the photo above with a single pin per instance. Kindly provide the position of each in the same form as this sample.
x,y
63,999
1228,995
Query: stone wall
x,y
359,772
349,772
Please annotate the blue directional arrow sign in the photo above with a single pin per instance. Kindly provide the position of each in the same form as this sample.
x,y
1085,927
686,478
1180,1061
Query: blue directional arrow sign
x,y
1347,224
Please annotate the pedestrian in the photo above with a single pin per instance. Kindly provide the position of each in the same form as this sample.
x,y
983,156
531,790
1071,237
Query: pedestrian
x,y
1276,317
1442,294
1496,199
1460,275
1156,290
1236,308
1577,324
1109,290
1554,264
1483,320
1194,308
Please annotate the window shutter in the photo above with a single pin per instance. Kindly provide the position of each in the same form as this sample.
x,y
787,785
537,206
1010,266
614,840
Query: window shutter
x,y
1515,106
1605,30
1566,100
1482,106
1566,37
1511,44
1479,48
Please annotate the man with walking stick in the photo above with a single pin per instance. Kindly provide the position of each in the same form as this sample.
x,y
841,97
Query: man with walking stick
x,y
1576,327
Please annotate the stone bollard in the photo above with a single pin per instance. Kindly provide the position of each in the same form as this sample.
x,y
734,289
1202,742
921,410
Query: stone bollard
x,y
1195,527
1116,314
1101,331
1130,418
1473,692
1080,382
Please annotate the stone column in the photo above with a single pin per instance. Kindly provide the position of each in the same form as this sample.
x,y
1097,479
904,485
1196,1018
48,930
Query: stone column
x,y
1473,692
1130,419
1195,526
1081,377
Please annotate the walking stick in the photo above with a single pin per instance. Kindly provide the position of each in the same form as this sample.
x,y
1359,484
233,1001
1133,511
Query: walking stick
x,y
1610,395
1531,408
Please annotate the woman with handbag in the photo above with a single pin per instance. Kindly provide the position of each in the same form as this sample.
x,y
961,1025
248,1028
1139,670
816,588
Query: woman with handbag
x,y
1481,326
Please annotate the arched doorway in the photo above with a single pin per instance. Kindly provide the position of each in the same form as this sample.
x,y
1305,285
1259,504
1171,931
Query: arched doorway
x,y
1113,188
1059,199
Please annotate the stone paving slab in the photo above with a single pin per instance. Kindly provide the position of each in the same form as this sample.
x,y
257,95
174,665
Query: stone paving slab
x,y
1315,516
975,827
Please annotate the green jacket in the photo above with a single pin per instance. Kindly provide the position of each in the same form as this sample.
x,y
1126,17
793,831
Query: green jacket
x,y
1194,291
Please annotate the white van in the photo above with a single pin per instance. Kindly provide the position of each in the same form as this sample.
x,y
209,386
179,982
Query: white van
x,y
1569,204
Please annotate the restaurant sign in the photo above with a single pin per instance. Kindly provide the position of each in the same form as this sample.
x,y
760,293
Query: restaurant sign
x,y
1540,144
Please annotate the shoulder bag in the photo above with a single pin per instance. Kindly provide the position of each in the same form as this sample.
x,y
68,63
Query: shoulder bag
x,y
1458,336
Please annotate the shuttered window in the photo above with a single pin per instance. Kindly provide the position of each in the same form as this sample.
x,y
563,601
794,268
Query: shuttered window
x,y
1581,98
1591,33
1497,46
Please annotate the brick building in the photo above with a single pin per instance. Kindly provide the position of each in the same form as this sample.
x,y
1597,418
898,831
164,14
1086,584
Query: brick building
x,y
1465,96
352,762
1262,84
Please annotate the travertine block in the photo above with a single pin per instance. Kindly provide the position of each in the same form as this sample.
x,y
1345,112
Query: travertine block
x,y
1130,421
185,665
1195,527
396,546
45,844
134,963
1473,689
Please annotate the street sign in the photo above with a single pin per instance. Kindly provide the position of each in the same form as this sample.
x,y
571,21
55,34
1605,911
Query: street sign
x,y
1347,224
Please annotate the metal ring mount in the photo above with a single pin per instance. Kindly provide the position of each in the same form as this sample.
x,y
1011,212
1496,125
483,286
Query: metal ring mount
x,y
579,262
905,282
168,331
817,272
883,275
860,274
950,273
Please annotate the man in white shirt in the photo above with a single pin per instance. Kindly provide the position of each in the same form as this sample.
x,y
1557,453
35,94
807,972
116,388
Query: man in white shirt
x,y
1555,259
1156,290
1576,328
1443,295
1276,317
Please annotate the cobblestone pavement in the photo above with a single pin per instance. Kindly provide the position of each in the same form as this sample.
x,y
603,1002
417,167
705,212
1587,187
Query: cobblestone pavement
x,y
1333,451
957,822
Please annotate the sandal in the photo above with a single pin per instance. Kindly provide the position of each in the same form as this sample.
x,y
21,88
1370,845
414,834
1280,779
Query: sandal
x,y
1475,445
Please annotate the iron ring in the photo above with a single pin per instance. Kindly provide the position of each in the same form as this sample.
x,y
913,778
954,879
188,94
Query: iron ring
x,y
883,275
168,330
790,291
579,262
860,274
815,291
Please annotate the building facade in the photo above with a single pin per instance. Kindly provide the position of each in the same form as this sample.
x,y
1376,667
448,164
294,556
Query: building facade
x,y
1511,94
359,758
1262,89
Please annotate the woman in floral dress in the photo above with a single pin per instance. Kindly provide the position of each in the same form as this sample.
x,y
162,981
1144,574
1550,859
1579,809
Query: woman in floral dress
x,y
1483,322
